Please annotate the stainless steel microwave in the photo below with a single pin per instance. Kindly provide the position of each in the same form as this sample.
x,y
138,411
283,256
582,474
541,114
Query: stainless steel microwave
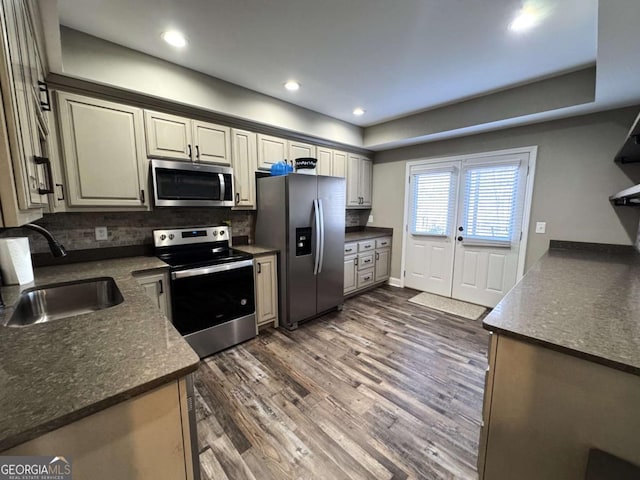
x,y
187,184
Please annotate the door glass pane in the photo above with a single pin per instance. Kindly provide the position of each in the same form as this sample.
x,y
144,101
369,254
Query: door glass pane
x,y
490,209
432,202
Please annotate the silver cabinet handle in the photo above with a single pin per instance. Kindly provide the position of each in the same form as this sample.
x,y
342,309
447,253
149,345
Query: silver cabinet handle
x,y
377,256
259,268
198,152
190,152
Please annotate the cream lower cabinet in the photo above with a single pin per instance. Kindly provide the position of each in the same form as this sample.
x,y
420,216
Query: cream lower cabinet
x,y
103,153
266,287
359,181
156,285
172,136
244,150
366,263
146,436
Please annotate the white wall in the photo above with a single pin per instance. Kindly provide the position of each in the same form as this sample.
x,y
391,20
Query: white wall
x,y
90,58
574,178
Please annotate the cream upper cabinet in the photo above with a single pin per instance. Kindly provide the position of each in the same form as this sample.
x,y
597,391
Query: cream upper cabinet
x,y
301,150
181,138
359,181
266,280
103,146
325,161
212,143
331,162
168,135
271,150
24,165
244,150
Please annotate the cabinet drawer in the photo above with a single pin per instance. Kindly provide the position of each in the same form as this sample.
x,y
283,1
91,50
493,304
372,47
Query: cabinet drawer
x,y
365,278
365,261
383,242
366,245
350,248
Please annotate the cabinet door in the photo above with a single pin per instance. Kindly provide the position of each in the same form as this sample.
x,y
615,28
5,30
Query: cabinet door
x,y
383,262
339,164
212,143
325,159
366,179
271,150
350,274
301,150
353,181
244,150
103,152
156,288
266,289
168,136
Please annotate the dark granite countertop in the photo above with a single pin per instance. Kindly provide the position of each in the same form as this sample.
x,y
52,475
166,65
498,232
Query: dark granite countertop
x,y
256,249
581,302
54,373
367,233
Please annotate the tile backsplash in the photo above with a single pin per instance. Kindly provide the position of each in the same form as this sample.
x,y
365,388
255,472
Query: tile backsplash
x,y
76,231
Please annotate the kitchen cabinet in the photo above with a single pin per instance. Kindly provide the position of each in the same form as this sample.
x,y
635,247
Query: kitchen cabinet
x,y
331,162
103,153
156,286
359,181
25,172
300,150
146,436
266,288
175,137
271,150
366,263
244,150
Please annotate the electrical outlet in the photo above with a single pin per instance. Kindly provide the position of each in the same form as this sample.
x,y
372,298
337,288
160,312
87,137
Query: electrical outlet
x,y
370,219
541,227
102,233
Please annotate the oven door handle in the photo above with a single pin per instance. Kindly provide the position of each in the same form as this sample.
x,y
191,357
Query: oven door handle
x,y
316,214
196,272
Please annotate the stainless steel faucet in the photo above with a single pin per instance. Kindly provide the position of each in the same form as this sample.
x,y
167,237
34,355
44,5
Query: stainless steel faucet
x,y
57,249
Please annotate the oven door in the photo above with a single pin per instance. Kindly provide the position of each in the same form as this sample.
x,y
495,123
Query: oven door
x,y
209,296
186,184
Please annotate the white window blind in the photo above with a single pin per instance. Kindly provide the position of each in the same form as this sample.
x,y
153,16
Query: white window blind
x,y
433,202
490,203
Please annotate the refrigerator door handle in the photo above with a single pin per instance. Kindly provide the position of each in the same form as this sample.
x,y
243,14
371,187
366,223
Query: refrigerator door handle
x,y
321,262
316,214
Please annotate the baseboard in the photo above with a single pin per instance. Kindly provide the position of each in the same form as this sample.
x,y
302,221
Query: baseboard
x,y
395,282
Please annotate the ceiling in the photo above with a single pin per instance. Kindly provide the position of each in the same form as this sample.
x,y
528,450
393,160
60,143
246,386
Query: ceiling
x,y
390,58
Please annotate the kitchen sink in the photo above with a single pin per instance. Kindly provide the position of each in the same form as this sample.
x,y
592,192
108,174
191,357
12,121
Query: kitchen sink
x,y
61,300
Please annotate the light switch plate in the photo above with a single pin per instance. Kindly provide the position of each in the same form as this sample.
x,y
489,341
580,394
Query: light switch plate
x,y
102,233
541,227
370,219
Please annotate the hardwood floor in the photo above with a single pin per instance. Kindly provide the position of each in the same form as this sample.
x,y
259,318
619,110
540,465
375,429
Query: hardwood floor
x,y
384,389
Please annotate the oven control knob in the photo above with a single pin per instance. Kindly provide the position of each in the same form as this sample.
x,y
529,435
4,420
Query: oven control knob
x,y
215,233
171,235
222,233
163,237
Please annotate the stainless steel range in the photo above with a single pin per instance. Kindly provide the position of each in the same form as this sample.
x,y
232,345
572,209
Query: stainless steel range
x,y
212,291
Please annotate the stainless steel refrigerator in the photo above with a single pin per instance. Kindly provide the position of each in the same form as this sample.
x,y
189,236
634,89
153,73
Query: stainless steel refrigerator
x,y
303,217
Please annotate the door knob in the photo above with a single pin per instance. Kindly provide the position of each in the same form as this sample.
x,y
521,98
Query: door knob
x,y
461,229
460,239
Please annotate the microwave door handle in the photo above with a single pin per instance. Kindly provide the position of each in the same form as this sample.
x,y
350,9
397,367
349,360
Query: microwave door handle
x,y
321,262
223,186
316,215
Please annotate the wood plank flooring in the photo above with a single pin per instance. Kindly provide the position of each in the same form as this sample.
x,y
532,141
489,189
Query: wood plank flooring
x,y
384,389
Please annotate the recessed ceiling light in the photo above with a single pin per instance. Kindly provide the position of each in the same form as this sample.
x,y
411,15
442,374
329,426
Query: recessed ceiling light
x,y
174,38
292,85
358,111
527,18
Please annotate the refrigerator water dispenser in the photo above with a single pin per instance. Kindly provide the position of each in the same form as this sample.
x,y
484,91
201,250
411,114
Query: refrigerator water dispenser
x,y
303,241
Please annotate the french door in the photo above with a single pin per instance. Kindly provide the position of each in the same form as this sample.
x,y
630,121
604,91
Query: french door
x,y
464,227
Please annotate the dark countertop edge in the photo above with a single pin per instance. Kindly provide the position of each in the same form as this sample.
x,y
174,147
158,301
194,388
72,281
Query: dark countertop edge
x,y
89,410
566,350
592,247
361,229
367,233
247,247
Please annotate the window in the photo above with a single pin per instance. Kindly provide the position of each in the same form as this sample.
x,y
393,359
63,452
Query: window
x,y
433,199
490,212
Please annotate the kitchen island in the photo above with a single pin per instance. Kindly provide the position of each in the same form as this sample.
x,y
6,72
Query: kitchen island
x,y
564,366
63,373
